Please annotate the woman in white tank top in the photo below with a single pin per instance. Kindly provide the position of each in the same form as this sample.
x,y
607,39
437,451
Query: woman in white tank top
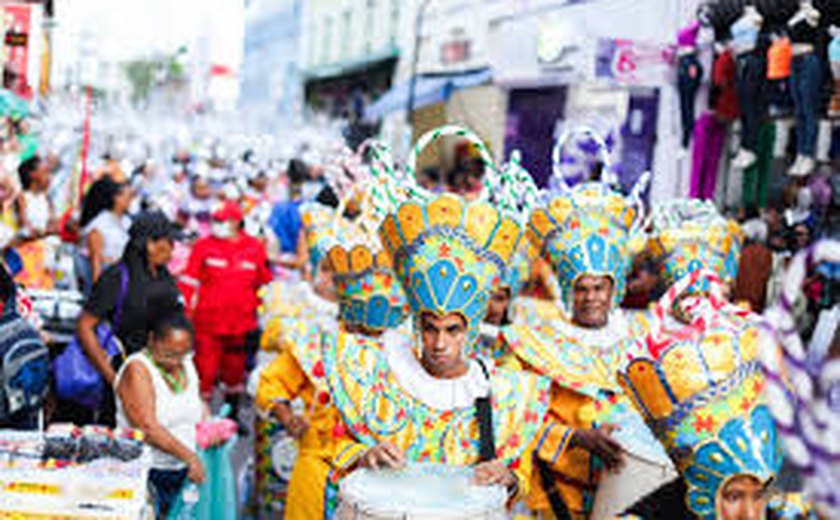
x,y
158,393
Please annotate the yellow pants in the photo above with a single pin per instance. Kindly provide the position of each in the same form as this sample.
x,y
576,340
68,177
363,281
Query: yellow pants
x,y
305,499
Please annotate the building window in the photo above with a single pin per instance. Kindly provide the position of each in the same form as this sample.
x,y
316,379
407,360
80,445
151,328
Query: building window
x,y
313,47
370,25
395,21
326,50
346,34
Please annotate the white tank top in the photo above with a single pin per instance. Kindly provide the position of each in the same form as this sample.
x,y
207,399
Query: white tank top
x,y
179,413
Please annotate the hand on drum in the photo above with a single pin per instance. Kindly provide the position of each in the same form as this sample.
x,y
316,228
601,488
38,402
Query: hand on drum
x,y
384,455
493,473
599,442
297,426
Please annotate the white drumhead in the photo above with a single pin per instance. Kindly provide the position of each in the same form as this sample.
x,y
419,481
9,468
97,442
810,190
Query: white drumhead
x,y
637,479
283,455
419,491
647,468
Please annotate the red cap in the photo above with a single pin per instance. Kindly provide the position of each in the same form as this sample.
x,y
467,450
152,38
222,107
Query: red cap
x,y
229,211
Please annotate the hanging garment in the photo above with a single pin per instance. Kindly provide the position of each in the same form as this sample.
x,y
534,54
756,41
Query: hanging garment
x,y
750,86
779,60
709,138
806,84
757,177
689,76
724,76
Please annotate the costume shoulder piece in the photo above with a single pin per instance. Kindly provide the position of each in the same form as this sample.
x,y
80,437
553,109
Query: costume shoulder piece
x,y
303,338
378,406
534,310
578,359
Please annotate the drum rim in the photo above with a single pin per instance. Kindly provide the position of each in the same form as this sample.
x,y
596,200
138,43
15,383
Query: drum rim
x,y
355,501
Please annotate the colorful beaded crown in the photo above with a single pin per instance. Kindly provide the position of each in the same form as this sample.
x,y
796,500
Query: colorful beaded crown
x,y
687,235
700,389
517,271
588,230
449,254
369,296
316,220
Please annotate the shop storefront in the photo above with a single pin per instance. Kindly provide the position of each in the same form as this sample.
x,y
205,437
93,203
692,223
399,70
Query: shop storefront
x,y
576,65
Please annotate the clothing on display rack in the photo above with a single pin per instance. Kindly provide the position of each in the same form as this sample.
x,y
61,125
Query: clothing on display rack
x,y
779,59
756,182
779,62
806,85
709,140
834,58
750,87
745,32
724,74
689,77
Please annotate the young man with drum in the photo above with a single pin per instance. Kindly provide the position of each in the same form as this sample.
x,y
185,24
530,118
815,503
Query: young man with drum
x,y
401,407
290,375
423,398
370,301
587,234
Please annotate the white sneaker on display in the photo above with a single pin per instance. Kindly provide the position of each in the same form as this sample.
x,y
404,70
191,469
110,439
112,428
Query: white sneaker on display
x,y
807,166
744,159
794,169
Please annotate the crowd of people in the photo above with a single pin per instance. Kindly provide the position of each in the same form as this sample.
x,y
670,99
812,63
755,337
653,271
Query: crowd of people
x,y
385,317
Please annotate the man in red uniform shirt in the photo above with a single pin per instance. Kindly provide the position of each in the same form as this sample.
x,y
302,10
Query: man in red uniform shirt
x,y
220,284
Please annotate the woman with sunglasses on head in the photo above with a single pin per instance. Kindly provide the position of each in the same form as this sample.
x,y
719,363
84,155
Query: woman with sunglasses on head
x,y
165,372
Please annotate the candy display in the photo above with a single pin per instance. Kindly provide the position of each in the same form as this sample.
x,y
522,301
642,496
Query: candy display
x,y
68,472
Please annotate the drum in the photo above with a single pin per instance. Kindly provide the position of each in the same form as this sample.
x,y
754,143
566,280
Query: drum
x,y
275,457
647,467
421,491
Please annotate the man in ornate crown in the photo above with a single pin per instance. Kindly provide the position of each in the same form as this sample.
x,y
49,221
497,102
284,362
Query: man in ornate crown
x,y
587,234
422,398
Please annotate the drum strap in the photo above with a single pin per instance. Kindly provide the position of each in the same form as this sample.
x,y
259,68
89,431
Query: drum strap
x,y
484,412
558,507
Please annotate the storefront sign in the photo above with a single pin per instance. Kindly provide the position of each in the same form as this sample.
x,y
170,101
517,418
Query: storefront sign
x,y
454,52
22,45
18,18
560,46
632,62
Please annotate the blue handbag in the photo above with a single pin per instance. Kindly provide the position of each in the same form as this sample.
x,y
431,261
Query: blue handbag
x,y
75,377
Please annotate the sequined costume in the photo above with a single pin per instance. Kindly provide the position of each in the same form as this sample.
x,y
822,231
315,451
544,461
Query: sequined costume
x,y
696,378
589,230
448,255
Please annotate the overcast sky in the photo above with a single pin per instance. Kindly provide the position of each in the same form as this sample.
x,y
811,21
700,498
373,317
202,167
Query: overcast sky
x,y
127,28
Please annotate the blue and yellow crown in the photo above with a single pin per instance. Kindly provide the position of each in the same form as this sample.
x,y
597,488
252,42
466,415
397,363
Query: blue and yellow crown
x,y
449,254
589,230
518,270
701,393
688,235
316,224
369,296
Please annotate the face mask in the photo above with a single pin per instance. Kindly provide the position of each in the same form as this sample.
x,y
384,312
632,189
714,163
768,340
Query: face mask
x,y
311,189
221,229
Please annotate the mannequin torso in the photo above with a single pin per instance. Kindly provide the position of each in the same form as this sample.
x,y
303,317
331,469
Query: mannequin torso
x,y
804,28
745,30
